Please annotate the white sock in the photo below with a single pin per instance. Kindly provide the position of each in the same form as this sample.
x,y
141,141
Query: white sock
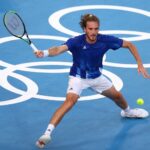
x,y
127,109
49,129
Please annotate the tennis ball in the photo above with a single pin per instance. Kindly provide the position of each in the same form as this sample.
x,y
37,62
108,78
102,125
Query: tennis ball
x,y
140,101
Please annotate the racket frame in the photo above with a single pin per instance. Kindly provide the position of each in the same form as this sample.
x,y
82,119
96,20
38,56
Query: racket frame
x,y
24,36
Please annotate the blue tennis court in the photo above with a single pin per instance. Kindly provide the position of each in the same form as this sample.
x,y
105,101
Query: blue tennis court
x,y
31,88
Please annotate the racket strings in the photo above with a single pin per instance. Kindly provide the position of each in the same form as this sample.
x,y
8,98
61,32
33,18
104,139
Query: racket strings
x,y
14,24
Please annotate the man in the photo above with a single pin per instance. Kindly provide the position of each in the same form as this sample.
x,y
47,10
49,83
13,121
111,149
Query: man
x,y
87,51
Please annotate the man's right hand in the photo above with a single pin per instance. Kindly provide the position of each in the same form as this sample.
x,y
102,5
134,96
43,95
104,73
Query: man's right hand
x,y
39,54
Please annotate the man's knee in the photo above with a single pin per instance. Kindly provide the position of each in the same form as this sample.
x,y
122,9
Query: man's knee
x,y
71,98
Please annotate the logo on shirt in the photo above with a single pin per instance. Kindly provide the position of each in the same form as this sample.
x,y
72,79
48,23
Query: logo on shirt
x,y
84,47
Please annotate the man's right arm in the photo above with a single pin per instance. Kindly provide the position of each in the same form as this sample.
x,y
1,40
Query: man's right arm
x,y
53,51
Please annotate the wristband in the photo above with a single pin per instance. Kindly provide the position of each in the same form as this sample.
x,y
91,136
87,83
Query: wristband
x,y
45,53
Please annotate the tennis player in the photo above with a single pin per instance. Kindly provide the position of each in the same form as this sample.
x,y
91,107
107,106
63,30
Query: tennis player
x,y
87,51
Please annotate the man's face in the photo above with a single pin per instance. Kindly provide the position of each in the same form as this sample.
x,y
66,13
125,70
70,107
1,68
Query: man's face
x,y
91,31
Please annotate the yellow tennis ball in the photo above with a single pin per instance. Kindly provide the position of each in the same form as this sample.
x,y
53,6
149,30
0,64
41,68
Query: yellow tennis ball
x,y
140,101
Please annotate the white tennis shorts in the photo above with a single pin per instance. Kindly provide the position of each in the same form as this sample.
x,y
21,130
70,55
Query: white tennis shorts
x,y
77,84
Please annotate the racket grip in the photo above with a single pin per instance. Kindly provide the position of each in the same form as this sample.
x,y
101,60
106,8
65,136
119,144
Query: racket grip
x,y
34,47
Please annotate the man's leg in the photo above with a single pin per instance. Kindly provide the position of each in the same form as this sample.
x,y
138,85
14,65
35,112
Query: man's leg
x,y
116,96
70,101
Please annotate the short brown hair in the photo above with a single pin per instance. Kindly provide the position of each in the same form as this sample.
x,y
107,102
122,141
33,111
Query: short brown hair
x,y
88,17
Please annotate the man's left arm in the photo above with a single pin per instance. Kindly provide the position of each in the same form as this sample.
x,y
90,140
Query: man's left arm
x,y
133,50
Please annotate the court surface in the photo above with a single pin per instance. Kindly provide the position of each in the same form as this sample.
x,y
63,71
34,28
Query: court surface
x,y
31,89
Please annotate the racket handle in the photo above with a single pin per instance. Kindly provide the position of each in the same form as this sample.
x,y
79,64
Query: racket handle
x,y
34,47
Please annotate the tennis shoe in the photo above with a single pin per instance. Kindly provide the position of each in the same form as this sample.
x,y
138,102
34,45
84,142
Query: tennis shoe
x,y
43,140
135,113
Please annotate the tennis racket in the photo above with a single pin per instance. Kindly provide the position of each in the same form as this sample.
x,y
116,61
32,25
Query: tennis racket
x,y
15,26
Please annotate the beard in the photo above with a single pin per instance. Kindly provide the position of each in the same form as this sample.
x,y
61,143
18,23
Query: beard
x,y
91,38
